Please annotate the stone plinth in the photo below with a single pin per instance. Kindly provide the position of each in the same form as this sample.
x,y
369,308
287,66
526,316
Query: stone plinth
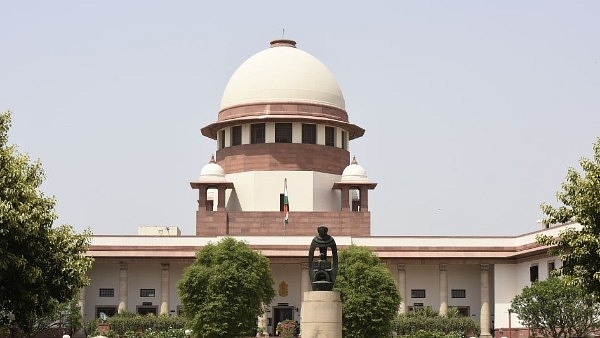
x,y
321,315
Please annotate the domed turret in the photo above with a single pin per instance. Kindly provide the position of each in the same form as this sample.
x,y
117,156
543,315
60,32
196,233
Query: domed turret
x,y
212,172
354,187
354,173
282,119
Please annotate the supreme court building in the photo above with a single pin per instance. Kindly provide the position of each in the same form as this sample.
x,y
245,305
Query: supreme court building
x,y
283,118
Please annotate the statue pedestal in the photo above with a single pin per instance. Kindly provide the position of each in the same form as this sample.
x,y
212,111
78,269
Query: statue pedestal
x,y
321,315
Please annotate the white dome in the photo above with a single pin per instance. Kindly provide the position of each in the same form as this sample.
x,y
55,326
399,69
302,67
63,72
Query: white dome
x,y
354,173
282,74
212,172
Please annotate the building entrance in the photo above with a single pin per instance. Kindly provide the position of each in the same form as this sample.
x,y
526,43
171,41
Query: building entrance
x,y
281,313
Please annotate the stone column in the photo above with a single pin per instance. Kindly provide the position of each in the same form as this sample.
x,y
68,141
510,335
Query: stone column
x,y
122,287
164,287
364,198
221,198
305,284
345,191
81,304
402,287
484,320
262,321
202,197
443,290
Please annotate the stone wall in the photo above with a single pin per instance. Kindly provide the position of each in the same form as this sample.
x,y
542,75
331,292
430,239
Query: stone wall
x,y
270,223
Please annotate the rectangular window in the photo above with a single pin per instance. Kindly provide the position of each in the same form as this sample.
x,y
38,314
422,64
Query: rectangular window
x,y
458,293
330,136
257,133
464,311
106,293
418,307
283,133
145,310
344,140
309,133
533,273
221,139
417,293
147,293
236,135
551,267
108,310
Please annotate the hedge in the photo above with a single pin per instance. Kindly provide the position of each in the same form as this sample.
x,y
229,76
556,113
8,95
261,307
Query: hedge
x,y
418,323
127,325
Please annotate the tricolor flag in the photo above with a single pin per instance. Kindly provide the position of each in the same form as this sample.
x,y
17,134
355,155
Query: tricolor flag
x,y
286,203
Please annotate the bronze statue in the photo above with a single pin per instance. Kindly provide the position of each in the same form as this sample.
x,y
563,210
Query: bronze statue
x,y
322,271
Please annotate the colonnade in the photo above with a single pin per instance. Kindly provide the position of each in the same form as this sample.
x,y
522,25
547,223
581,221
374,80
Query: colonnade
x,y
305,285
165,282
484,313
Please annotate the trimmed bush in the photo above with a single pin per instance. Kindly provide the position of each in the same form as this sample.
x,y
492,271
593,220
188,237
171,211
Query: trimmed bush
x,y
127,325
433,334
429,322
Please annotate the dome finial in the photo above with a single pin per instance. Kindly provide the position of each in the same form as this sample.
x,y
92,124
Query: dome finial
x,y
354,160
212,159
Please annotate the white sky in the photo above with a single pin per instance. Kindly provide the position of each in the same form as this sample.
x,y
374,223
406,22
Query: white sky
x,y
473,110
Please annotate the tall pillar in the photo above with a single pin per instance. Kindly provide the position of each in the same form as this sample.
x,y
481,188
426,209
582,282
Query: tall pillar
x,y
221,198
364,198
81,304
262,322
122,287
202,197
305,284
443,290
484,320
402,287
164,287
345,191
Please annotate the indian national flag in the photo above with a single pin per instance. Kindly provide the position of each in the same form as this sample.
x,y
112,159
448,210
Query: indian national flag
x,y
286,203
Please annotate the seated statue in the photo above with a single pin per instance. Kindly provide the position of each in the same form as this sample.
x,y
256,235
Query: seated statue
x,y
322,271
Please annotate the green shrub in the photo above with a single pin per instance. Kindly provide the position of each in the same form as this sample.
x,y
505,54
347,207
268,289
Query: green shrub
x,y
127,325
429,322
433,334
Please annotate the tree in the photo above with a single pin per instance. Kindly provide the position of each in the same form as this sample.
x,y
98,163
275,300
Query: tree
x,y
225,289
556,309
42,266
578,249
370,298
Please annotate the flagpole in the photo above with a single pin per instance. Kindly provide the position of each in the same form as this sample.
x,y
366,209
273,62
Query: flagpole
x,y
285,206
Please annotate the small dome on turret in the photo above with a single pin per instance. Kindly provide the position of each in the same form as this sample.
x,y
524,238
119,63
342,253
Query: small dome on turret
x,y
212,172
354,173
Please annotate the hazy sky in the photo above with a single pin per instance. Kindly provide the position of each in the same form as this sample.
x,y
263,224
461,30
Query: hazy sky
x,y
473,110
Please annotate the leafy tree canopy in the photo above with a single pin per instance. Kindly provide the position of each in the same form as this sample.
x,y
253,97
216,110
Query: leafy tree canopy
x,y
41,266
370,298
225,289
557,309
578,249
